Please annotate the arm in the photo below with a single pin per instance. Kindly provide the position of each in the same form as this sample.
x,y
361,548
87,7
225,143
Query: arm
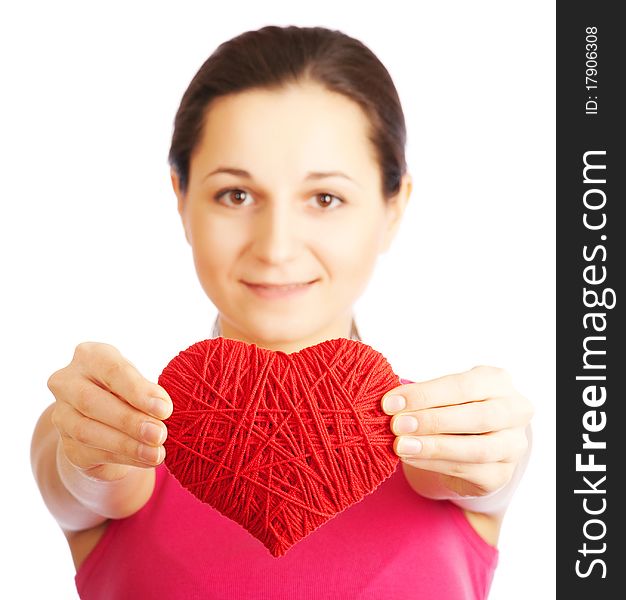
x,y
485,513
438,487
464,438
76,500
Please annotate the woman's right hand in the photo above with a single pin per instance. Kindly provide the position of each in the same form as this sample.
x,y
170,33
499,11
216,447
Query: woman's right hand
x,y
106,415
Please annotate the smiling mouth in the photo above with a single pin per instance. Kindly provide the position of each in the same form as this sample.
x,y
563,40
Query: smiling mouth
x,y
279,286
272,291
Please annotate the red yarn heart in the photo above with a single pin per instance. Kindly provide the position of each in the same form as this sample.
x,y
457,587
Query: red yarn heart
x,y
279,443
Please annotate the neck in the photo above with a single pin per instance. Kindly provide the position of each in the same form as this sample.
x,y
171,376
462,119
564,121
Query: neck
x,y
346,329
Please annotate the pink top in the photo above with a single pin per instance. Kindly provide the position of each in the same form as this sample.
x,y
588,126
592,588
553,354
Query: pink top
x,y
392,544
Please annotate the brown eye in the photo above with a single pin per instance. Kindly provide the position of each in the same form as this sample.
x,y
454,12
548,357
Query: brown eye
x,y
235,196
324,200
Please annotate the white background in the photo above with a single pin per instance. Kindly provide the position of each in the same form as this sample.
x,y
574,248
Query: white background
x,y
92,247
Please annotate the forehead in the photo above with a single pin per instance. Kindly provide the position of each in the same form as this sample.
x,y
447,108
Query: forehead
x,y
298,126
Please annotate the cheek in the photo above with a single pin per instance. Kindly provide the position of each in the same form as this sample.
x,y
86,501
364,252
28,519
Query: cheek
x,y
352,254
213,246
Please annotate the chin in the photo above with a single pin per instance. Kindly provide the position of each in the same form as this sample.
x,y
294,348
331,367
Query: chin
x,y
281,329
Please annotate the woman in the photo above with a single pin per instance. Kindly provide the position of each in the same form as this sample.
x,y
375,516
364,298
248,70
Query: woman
x,y
287,162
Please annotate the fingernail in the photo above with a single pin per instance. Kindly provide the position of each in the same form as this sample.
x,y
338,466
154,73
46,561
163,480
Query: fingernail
x,y
150,453
393,404
159,407
404,424
152,433
409,445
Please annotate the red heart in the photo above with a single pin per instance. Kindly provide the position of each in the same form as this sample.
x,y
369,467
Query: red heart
x,y
279,443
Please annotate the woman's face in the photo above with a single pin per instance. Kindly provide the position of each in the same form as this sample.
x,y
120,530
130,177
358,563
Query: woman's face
x,y
284,188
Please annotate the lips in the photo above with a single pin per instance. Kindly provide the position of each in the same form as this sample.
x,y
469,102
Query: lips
x,y
278,285
275,291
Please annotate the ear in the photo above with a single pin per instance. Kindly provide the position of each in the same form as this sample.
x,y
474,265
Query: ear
x,y
181,202
395,207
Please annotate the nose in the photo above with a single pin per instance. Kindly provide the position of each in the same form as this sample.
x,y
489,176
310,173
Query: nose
x,y
275,232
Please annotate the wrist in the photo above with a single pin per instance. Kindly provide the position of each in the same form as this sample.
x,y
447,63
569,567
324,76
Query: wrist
x,y
497,501
114,498
84,487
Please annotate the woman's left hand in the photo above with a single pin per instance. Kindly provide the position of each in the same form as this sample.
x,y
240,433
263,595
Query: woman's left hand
x,y
469,428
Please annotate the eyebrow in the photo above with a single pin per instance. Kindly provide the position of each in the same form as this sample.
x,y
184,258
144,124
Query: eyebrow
x,y
312,175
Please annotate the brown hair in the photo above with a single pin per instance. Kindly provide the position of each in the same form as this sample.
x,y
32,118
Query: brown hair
x,y
273,56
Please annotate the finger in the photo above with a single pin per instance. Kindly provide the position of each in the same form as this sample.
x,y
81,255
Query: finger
x,y
88,461
92,401
479,383
105,366
507,445
473,417
99,437
488,477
